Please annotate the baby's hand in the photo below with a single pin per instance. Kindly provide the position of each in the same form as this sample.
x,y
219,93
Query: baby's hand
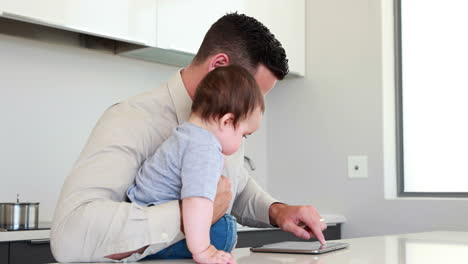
x,y
213,256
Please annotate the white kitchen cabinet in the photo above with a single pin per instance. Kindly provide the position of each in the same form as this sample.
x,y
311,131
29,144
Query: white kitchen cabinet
x,y
171,29
133,21
180,28
182,24
286,20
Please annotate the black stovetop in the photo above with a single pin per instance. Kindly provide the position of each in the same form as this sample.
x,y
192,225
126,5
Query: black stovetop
x,y
41,226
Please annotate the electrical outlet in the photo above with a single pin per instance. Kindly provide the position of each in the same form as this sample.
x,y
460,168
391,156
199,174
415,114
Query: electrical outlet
x,y
357,167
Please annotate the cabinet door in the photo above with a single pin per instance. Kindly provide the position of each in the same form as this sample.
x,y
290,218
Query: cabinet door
x,y
286,20
128,20
182,24
4,252
30,252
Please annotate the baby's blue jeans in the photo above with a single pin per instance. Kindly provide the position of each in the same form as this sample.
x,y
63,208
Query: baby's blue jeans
x,y
223,236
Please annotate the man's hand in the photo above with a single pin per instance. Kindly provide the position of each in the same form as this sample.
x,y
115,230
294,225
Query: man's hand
x,y
223,199
303,221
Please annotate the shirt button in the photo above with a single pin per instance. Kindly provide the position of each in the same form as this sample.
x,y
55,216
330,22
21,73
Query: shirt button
x,y
164,236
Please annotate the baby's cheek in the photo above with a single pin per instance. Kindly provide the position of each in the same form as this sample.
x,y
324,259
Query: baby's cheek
x,y
228,150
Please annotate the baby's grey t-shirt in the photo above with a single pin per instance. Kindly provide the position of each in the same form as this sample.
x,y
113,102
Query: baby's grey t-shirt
x,y
188,164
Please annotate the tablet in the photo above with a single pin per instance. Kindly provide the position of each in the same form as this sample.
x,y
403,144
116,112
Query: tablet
x,y
299,247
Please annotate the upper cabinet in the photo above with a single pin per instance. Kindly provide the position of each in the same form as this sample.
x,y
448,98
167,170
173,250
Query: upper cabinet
x,y
132,21
286,20
170,30
182,24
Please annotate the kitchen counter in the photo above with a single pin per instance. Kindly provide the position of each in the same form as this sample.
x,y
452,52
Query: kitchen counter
x,y
24,235
43,232
417,248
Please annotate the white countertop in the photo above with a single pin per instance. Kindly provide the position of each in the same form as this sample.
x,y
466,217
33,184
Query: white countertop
x,y
42,233
24,235
45,234
418,248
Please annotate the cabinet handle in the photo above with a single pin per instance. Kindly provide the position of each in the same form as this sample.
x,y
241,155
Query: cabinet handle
x,y
39,241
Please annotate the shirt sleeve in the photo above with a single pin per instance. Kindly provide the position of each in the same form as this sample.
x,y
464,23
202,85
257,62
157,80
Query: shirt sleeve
x,y
201,170
251,206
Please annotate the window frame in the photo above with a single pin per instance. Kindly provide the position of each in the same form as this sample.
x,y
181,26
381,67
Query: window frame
x,y
399,117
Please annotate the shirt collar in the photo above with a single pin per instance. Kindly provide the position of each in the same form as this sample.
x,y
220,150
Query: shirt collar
x,y
180,97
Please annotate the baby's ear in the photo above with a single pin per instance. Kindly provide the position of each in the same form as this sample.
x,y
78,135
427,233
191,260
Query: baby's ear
x,y
226,121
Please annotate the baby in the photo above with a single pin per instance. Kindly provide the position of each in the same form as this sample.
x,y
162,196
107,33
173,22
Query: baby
x,y
227,105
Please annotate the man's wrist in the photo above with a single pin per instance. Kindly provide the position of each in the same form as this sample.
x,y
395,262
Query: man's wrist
x,y
273,212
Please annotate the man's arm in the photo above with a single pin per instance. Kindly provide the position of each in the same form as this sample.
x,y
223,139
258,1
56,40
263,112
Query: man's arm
x,y
255,207
252,204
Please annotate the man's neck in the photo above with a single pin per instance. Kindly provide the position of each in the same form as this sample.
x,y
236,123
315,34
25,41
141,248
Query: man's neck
x,y
191,77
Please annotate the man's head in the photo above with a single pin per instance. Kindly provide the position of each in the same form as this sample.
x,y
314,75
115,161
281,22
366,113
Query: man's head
x,y
240,39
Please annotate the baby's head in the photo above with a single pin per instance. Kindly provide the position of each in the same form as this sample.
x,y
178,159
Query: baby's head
x,y
230,103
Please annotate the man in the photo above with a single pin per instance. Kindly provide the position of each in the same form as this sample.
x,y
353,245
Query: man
x,y
93,220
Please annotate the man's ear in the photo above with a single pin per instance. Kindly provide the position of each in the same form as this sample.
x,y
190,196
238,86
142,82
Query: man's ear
x,y
218,60
226,121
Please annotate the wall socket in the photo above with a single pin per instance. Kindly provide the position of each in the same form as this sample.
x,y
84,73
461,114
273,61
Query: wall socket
x,y
357,167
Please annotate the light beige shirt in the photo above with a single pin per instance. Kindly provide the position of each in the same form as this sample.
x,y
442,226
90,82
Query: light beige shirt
x,y
93,219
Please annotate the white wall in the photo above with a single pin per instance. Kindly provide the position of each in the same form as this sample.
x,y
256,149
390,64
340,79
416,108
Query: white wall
x,y
336,111
51,97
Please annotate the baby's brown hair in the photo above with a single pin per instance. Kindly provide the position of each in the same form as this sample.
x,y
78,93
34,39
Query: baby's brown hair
x,y
228,89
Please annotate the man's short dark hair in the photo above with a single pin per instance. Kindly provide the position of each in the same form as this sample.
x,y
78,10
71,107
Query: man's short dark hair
x,y
229,89
247,42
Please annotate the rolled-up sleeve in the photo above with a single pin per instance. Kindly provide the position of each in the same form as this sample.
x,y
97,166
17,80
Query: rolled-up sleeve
x,y
252,204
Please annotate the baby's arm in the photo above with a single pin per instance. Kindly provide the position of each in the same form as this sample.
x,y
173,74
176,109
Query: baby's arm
x,y
197,212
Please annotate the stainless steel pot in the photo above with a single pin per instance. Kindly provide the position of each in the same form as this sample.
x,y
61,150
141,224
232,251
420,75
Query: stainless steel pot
x,y
16,216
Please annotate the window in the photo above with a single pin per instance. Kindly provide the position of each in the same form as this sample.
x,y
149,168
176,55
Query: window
x,y
432,97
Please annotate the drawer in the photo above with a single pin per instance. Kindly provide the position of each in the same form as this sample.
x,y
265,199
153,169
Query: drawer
x,y
4,246
30,252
